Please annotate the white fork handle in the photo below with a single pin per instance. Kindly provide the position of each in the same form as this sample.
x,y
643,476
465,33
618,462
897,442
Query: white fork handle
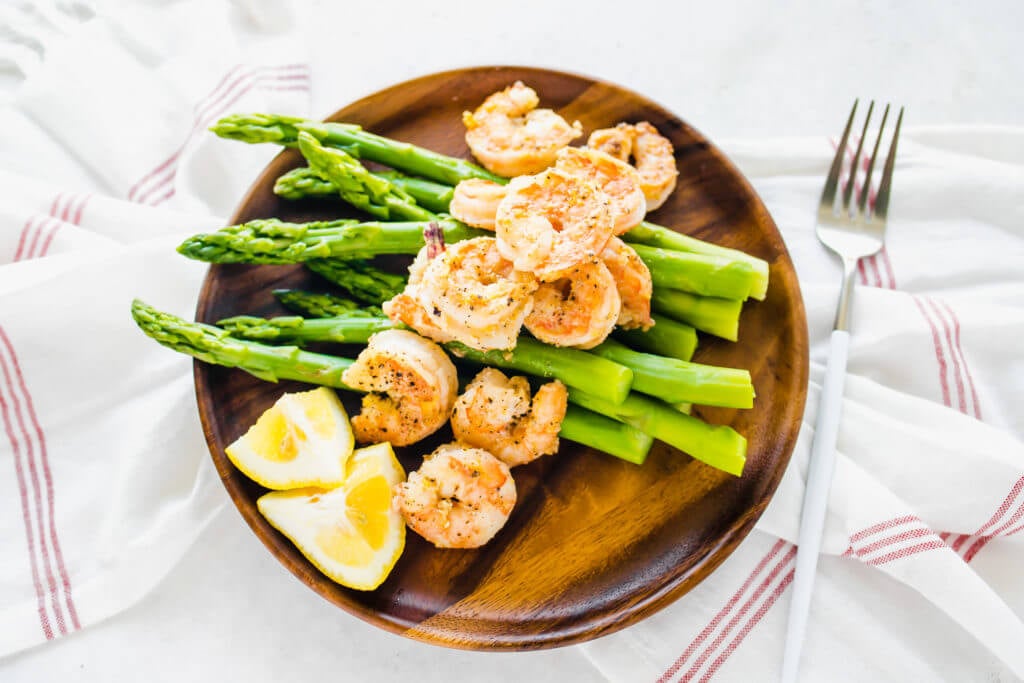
x,y
812,516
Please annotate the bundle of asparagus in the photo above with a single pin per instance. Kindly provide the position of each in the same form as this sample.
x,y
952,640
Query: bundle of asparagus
x,y
624,393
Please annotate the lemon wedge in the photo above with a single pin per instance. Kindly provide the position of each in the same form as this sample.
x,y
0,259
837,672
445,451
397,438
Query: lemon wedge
x,y
304,439
351,533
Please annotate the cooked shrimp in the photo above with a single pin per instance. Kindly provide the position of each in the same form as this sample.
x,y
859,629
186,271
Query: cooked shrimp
x,y
469,293
510,136
413,385
616,142
475,202
495,413
551,222
578,310
633,281
652,153
404,308
460,497
619,180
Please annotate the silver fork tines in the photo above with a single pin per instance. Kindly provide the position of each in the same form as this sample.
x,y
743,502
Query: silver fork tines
x,y
855,229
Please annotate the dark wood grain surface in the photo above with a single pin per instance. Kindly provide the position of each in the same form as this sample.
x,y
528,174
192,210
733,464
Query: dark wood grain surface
x,y
594,543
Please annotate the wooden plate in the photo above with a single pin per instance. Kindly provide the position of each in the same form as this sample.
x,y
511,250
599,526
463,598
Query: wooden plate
x,y
594,543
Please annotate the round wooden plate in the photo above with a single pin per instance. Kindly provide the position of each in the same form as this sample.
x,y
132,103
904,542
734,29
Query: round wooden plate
x,y
594,543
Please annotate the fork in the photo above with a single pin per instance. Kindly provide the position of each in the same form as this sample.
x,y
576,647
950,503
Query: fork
x,y
851,231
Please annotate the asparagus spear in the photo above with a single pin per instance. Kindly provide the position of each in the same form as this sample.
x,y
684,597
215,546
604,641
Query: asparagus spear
x,y
300,331
717,445
273,241
720,317
357,186
303,182
657,236
605,434
428,194
702,274
667,338
284,130
273,363
363,281
214,345
319,305
677,381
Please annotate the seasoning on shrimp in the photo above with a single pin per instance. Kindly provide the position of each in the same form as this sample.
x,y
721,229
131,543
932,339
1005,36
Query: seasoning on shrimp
x,y
460,497
633,282
496,413
467,293
413,388
551,222
617,179
578,310
510,136
652,153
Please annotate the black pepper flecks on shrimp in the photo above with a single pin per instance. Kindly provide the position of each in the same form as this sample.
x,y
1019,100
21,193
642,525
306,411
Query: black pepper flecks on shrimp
x,y
413,387
496,413
460,497
579,310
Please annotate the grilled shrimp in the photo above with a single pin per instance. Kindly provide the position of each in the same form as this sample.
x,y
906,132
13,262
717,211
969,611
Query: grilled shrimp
x,y
510,136
619,180
475,202
578,310
551,222
633,281
460,497
652,154
413,388
467,293
496,413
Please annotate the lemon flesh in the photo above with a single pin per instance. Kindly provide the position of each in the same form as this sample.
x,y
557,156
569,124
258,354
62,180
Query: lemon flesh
x,y
304,439
351,533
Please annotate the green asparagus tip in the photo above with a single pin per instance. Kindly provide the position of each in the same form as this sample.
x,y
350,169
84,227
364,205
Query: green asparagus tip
x,y
257,128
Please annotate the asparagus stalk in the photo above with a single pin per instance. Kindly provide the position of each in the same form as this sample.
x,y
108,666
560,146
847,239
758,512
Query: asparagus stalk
x,y
717,445
677,381
605,434
272,241
273,363
702,274
284,130
357,186
667,338
350,329
216,346
428,194
319,305
657,236
303,182
363,281
720,317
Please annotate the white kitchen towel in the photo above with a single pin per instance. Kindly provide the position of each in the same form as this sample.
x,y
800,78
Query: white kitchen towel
x,y
104,476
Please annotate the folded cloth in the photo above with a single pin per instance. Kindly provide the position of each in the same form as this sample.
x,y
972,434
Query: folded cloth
x,y
104,477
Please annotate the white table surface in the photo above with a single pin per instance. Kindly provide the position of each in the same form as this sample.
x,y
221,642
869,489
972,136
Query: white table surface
x,y
732,69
